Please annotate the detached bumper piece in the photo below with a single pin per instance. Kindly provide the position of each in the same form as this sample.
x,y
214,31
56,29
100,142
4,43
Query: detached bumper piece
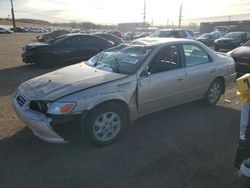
x,y
37,122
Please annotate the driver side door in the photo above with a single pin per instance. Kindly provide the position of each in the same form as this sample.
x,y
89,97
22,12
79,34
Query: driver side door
x,y
162,85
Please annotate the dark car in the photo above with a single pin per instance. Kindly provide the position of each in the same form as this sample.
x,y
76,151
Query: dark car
x,y
67,49
116,40
20,30
48,37
241,56
207,39
230,40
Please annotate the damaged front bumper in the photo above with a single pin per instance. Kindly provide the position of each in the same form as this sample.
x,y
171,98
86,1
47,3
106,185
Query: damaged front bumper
x,y
36,121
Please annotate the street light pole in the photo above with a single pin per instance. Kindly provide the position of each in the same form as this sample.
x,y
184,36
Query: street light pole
x,y
13,16
180,16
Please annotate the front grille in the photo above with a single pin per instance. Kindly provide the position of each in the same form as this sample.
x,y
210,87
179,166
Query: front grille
x,y
20,99
39,106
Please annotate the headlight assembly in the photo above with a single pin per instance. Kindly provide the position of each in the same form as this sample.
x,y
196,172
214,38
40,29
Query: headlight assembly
x,y
58,108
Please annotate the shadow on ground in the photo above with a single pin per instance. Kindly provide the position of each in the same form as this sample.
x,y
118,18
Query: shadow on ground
x,y
191,145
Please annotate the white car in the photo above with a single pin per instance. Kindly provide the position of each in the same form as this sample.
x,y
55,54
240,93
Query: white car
x,y
175,33
2,30
121,84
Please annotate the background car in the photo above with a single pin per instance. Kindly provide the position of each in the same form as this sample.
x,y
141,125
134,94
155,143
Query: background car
x,y
241,56
67,49
48,37
230,40
20,29
121,84
116,33
5,31
140,35
116,40
207,39
175,33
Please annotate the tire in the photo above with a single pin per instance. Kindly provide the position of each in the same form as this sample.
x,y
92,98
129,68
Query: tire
x,y
105,124
214,92
44,61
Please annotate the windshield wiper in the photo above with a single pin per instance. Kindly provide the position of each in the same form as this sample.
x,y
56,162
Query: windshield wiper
x,y
99,59
117,65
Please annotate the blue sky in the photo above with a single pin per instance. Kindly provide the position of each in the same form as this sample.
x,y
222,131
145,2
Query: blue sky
x,y
117,11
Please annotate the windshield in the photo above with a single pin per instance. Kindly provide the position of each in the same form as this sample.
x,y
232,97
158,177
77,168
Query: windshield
x,y
124,59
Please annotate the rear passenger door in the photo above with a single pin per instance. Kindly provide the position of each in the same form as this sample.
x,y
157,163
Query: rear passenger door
x,y
200,70
67,50
89,46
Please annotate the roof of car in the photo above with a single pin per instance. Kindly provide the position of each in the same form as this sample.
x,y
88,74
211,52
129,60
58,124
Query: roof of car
x,y
174,29
151,41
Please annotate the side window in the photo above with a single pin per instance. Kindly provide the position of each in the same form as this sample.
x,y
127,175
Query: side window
x,y
70,42
195,55
182,34
89,41
83,41
166,59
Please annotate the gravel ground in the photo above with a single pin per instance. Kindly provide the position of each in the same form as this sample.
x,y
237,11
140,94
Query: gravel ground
x,y
191,145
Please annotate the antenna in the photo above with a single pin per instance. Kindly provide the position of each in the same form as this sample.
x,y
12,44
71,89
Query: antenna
x,y
144,14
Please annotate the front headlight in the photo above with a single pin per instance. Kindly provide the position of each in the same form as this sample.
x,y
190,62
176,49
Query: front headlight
x,y
59,108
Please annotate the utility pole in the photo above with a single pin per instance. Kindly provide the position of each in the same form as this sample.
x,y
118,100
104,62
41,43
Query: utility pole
x,y
13,16
144,15
180,16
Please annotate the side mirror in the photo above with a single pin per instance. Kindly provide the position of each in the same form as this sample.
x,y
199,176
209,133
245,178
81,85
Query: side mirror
x,y
145,72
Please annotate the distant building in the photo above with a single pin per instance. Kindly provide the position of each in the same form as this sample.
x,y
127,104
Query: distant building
x,y
124,27
244,25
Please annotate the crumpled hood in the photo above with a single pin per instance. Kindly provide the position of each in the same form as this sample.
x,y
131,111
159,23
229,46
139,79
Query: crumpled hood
x,y
59,83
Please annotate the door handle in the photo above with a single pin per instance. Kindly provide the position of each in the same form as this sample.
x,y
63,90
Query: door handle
x,y
179,79
212,70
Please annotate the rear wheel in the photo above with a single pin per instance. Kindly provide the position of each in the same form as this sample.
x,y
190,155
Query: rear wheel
x,y
214,92
105,124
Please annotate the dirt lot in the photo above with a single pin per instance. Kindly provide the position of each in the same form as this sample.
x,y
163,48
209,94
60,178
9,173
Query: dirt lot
x,y
191,145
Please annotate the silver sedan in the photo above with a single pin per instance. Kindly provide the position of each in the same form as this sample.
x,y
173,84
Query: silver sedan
x,y
121,84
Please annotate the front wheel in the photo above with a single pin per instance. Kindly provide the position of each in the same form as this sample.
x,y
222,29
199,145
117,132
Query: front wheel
x,y
45,61
214,92
105,124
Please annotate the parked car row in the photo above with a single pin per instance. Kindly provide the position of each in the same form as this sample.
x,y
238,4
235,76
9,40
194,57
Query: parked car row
x,y
5,31
230,40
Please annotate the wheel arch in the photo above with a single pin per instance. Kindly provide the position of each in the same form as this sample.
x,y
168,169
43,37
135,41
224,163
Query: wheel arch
x,y
124,106
221,78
